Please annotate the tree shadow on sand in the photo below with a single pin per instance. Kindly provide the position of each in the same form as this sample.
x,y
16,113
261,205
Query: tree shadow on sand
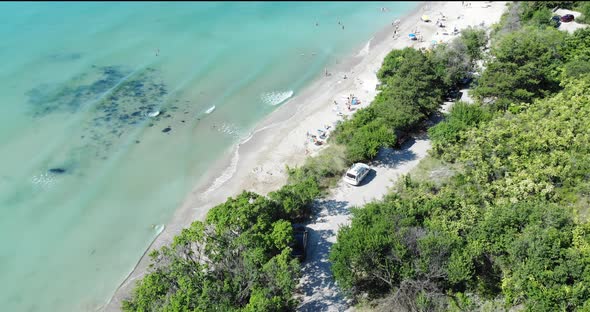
x,y
391,158
318,284
329,207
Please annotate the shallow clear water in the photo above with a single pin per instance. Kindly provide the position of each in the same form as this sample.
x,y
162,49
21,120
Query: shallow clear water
x,y
78,82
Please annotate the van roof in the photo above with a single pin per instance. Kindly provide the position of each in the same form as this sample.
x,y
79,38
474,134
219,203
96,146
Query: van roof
x,y
356,167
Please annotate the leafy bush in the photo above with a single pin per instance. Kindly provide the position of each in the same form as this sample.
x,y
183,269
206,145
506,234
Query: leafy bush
x,y
392,62
296,198
452,62
365,144
237,260
524,67
577,46
474,39
462,116
325,168
584,8
576,69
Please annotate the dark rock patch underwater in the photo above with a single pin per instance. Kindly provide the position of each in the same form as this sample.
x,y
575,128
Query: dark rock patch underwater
x,y
113,99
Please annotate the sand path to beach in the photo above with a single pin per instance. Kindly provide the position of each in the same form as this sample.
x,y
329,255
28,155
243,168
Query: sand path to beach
x,y
317,285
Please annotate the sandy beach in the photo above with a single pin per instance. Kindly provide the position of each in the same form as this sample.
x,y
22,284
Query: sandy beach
x,y
258,163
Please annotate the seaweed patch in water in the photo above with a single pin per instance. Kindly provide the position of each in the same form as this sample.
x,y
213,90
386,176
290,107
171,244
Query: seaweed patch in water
x,y
47,98
114,102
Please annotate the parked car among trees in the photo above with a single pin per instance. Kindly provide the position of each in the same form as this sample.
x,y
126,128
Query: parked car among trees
x,y
567,18
556,21
356,173
300,245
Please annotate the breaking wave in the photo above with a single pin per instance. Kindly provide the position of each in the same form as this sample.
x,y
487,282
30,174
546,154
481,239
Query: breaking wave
x,y
276,97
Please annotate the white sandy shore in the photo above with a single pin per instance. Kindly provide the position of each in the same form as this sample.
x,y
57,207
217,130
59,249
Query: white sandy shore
x,y
280,140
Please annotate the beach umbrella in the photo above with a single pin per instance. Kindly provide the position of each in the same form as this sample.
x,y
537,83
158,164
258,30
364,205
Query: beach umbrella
x,y
425,18
412,36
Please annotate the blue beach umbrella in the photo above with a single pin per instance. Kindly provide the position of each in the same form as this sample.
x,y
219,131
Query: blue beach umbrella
x,y
412,36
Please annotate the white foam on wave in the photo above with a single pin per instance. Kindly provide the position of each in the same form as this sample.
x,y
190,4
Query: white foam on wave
x,y
233,166
365,50
229,129
210,110
159,229
43,180
225,175
275,97
229,172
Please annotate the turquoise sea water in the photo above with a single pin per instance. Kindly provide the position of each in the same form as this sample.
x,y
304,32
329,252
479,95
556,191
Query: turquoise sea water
x,y
78,80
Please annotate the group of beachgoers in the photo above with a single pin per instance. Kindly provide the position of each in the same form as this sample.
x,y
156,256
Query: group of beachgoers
x,y
323,133
351,101
320,138
395,24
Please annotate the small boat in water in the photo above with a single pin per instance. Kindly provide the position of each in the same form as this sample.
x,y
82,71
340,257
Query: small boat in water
x,y
210,110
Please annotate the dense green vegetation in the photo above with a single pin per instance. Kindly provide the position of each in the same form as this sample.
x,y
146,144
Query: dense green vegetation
x,y
413,84
584,8
238,259
461,117
504,226
510,229
524,66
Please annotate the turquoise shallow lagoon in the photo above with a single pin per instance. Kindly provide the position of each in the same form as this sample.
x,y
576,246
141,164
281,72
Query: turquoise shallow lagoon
x,y
79,81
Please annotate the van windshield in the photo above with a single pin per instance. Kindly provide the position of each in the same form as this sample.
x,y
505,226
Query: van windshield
x,y
350,175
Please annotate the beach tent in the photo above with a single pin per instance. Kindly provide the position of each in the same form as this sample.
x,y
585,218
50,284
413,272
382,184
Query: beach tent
x,y
412,37
426,18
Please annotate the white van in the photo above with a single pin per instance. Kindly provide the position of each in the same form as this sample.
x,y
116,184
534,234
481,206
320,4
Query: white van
x,y
356,173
